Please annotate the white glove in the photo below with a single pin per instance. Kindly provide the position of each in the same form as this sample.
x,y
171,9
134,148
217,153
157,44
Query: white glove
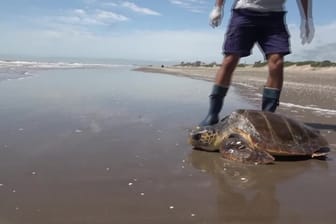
x,y
216,16
307,30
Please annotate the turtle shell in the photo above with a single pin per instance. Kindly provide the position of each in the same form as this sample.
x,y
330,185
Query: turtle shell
x,y
274,133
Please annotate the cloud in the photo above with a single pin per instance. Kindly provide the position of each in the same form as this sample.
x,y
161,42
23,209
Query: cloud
x,y
176,45
80,17
139,9
147,45
112,4
109,17
323,46
322,52
122,4
196,6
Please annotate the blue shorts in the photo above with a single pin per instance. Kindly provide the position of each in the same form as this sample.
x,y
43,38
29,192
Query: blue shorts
x,y
267,29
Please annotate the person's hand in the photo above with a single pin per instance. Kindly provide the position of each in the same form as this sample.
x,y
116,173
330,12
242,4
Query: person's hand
x,y
307,30
216,16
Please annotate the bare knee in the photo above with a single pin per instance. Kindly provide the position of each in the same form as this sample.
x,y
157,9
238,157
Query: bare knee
x,y
275,66
275,62
230,60
224,74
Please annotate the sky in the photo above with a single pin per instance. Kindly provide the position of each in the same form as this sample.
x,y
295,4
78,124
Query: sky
x,y
160,30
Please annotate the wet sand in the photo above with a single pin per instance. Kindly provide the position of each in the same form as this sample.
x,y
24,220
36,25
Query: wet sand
x,y
308,95
76,146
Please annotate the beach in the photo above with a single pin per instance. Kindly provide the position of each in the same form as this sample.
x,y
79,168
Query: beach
x,y
91,143
309,94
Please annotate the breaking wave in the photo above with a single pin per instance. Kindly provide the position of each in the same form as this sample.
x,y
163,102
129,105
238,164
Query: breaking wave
x,y
54,65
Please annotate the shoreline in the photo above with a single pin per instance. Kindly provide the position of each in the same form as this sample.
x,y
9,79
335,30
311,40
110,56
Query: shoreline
x,y
308,94
311,85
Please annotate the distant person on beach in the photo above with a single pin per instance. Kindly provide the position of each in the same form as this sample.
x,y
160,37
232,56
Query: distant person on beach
x,y
261,22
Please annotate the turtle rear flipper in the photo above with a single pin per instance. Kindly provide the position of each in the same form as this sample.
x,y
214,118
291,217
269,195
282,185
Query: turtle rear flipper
x,y
322,152
236,149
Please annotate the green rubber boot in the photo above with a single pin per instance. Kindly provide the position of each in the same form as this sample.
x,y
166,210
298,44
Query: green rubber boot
x,y
270,99
216,102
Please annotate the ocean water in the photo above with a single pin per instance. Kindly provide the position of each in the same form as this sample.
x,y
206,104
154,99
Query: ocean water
x,y
77,85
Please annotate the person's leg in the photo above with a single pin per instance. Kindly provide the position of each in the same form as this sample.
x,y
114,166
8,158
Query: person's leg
x,y
239,40
275,68
272,89
273,38
220,88
224,73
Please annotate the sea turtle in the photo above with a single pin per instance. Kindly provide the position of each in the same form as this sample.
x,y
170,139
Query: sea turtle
x,y
253,136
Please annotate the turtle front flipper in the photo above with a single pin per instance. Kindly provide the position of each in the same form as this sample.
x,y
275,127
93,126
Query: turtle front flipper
x,y
235,148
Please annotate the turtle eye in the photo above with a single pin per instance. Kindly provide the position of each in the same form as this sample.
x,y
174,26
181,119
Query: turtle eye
x,y
197,137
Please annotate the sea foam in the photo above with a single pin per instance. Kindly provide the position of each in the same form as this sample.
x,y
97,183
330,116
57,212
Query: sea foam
x,y
53,65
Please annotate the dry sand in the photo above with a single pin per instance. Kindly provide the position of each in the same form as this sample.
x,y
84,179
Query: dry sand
x,y
309,94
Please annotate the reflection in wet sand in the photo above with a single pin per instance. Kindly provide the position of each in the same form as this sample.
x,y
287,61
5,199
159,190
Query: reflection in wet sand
x,y
247,193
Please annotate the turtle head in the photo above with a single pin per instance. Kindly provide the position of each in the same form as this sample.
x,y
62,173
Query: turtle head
x,y
205,138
